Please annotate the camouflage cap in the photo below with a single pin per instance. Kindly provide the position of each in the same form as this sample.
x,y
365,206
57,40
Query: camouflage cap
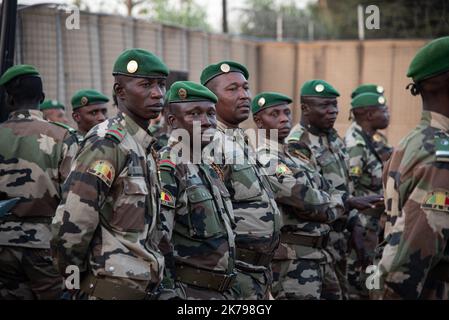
x,y
188,91
51,104
87,97
368,100
214,70
266,100
318,88
18,70
431,60
140,63
368,87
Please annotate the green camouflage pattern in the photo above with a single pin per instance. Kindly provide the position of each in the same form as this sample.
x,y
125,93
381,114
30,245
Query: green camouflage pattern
x,y
197,221
417,227
107,222
161,136
35,158
382,147
328,153
365,169
28,274
257,216
307,207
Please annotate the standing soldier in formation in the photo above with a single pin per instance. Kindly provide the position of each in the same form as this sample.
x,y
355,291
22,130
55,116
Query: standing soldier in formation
x,y
89,109
35,158
106,225
196,213
302,267
316,138
365,168
415,260
257,217
54,111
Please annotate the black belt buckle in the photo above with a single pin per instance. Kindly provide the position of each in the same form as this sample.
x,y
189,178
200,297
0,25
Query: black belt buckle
x,y
227,282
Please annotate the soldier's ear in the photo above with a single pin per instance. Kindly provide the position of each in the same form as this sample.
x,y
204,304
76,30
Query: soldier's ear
x,y
118,90
172,121
257,121
42,98
76,116
305,109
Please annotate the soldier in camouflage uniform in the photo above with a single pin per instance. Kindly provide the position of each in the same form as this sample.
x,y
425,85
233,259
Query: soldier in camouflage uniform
x,y
365,168
415,260
89,109
302,267
54,111
159,130
107,224
257,217
316,138
196,210
35,159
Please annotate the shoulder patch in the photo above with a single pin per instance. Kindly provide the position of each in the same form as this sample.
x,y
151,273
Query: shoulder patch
x,y
282,169
442,148
438,200
294,136
115,133
103,170
356,171
65,126
167,199
167,163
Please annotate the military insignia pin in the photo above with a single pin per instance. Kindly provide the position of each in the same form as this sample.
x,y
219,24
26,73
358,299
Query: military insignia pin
x,y
182,93
84,101
319,88
225,68
132,66
261,102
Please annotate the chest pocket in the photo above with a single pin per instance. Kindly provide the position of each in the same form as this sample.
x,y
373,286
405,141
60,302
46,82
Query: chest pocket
x,y
245,183
204,220
131,206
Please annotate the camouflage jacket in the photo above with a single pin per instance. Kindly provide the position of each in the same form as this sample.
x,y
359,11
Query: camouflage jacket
x,y
107,223
35,158
257,216
196,215
365,164
417,203
382,147
301,194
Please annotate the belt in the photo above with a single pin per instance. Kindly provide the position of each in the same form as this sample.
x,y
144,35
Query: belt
x,y
254,258
441,271
307,241
204,278
338,225
107,290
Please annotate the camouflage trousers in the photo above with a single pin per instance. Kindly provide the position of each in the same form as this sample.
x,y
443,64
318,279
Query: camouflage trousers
x,y
27,274
357,275
338,247
305,279
252,285
190,292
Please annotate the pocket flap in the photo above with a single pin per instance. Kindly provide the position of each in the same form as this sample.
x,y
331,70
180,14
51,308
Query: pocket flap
x,y
135,186
197,194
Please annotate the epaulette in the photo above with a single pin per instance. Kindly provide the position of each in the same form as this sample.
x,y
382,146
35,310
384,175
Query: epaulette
x,y
295,136
442,147
115,133
65,126
165,161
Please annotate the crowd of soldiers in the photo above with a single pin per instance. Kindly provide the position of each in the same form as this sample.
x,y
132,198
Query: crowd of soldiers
x,y
121,201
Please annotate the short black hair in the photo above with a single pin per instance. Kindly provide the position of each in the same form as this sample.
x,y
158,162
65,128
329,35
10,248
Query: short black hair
x,y
25,89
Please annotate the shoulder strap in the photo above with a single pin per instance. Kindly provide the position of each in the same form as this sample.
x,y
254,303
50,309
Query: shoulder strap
x,y
116,133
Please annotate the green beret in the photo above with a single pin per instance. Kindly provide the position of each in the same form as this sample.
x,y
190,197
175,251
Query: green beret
x,y
188,91
431,60
87,97
214,70
266,100
319,88
51,104
368,99
140,63
18,70
369,87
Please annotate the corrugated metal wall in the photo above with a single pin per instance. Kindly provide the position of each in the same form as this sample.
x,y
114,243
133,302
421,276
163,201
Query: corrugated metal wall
x,y
73,59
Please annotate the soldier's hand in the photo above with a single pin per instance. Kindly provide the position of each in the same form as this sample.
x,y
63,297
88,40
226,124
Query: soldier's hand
x,y
362,203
